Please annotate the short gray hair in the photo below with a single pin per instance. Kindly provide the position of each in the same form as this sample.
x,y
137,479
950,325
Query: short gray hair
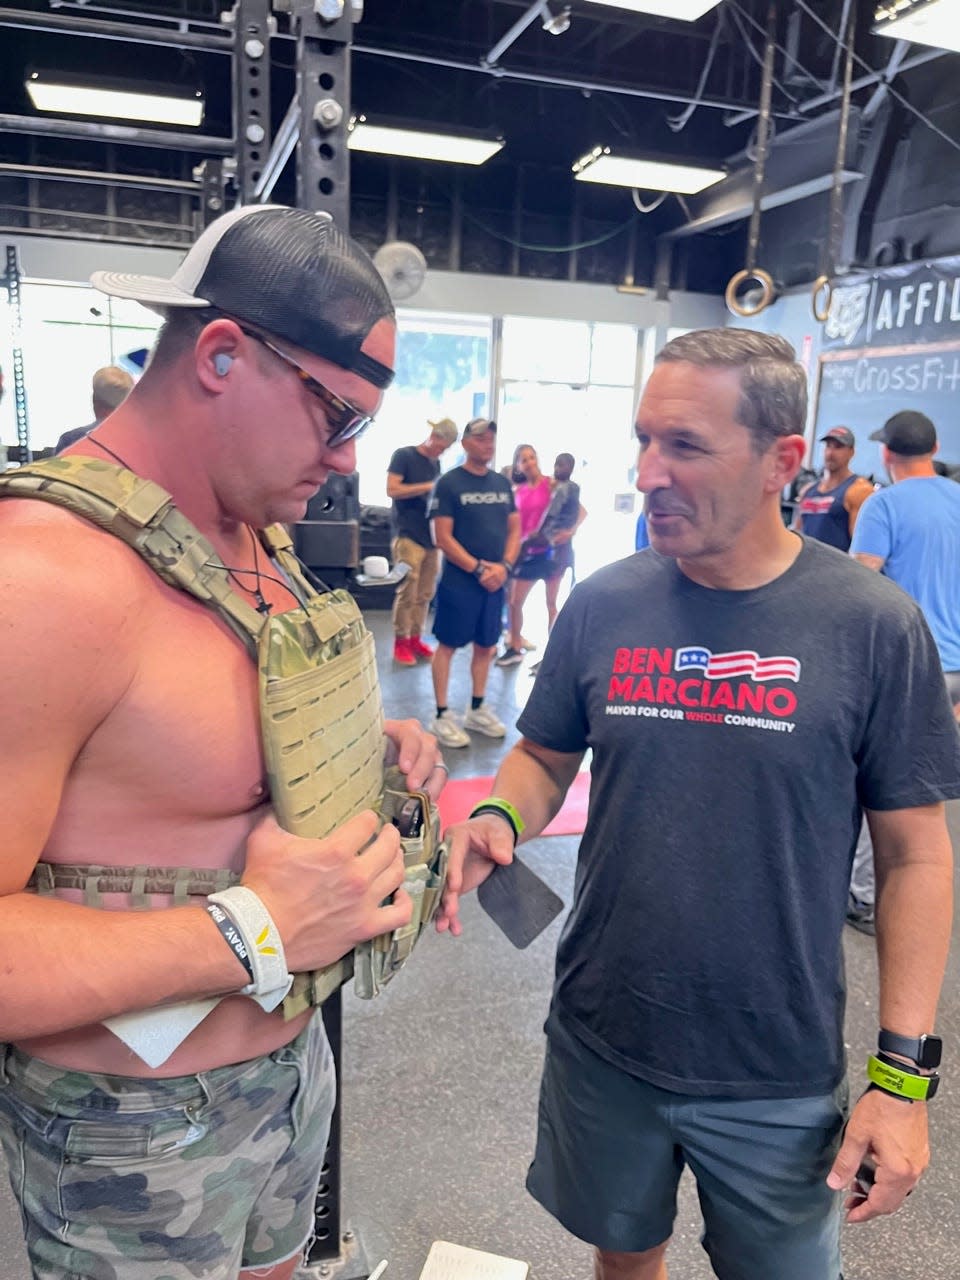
x,y
774,384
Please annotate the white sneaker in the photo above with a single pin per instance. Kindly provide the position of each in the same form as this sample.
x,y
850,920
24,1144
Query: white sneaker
x,y
447,731
484,721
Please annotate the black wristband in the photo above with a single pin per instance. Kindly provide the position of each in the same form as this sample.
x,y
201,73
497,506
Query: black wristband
x,y
232,936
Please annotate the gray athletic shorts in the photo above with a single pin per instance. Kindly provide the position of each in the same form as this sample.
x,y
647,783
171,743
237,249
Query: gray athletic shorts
x,y
611,1148
126,1179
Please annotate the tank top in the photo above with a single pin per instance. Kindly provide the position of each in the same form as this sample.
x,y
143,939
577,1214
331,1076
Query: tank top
x,y
824,515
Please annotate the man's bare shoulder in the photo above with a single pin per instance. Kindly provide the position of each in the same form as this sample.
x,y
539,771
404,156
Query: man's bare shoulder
x,y
56,568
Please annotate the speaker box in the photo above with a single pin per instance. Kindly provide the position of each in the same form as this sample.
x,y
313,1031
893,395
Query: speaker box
x,y
327,543
338,498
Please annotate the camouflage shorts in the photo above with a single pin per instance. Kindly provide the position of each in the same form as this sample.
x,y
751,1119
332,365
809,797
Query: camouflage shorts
x,y
126,1179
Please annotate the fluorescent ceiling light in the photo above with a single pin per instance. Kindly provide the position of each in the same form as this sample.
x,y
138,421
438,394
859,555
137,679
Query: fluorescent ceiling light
x,y
936,22
65,95
648,175
390,140
683,10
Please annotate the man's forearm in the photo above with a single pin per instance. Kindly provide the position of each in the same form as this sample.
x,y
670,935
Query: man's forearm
x,y
914,869
65,966
913,919
535,782
455,553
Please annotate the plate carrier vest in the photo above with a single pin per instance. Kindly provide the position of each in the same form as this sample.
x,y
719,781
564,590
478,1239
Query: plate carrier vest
x,y
321,714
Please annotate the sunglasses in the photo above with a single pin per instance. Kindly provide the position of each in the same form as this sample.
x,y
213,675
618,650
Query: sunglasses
x,y
346,421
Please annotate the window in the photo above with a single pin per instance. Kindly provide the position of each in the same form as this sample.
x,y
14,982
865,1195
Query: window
x,y
443,371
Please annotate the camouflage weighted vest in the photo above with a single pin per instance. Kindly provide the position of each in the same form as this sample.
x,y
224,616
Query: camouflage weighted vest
x,y
320,711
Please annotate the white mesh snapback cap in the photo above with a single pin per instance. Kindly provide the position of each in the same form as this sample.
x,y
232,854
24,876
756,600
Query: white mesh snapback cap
x,y
290,272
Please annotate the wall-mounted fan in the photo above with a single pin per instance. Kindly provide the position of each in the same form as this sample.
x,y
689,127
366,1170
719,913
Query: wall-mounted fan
x,y
403,268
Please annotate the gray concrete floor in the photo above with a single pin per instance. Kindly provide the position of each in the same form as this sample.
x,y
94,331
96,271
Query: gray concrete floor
x,y
440,1080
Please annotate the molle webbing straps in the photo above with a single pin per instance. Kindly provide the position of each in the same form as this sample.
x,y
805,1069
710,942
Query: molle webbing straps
x,y
141,514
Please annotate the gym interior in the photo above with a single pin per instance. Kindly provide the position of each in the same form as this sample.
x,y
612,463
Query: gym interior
x,y
531,291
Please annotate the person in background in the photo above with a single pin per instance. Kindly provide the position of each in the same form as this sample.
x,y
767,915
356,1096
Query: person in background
x,y
561,520
910,532
828,508
160,1114
412,473
476,526
111,386
532,495
736,731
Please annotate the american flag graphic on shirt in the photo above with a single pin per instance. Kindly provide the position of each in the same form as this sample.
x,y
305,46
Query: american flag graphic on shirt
x,y
743,662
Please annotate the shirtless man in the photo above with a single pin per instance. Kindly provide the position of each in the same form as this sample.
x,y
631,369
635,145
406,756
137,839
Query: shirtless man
x,y
131,734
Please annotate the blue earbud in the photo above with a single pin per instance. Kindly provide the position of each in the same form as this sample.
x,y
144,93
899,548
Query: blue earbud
x,y
222,363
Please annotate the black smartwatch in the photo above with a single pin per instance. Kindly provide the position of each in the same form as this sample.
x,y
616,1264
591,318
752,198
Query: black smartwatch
x,y
925,1051
479,569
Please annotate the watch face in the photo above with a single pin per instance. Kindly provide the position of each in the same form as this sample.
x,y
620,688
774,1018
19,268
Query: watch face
x,y
931,1049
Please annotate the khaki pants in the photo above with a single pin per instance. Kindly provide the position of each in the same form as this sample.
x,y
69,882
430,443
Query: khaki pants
x,y
415,592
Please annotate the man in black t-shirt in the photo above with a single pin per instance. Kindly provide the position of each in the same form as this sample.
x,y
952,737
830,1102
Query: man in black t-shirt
x,y
412,473
477,527
736,730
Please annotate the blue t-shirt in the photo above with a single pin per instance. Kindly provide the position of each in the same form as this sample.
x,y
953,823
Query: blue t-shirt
x,y
915,527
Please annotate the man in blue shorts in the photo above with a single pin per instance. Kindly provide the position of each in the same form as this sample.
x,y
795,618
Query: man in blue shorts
x,y
737,735
477,527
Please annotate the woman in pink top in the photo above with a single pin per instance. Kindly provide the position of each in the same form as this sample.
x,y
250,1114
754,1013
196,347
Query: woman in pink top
x,y
535,562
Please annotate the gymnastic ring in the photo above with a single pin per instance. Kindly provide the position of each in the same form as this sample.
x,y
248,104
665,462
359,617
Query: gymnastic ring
x,y
763,279
821,312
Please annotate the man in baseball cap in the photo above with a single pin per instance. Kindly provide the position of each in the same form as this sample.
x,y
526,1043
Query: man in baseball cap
x,y
910,532
479,427
411,476
908,434
133,733
828,508
477,527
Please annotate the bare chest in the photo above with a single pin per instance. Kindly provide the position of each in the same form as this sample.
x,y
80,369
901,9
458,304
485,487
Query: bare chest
x,y
174,775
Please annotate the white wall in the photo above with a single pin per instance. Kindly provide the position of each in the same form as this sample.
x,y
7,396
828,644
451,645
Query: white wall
x,y
49,258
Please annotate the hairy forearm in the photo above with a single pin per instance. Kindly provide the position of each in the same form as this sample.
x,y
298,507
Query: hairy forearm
x,y
64,966
535,782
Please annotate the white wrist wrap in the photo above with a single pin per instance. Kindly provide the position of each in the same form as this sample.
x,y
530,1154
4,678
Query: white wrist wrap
x,y
260,937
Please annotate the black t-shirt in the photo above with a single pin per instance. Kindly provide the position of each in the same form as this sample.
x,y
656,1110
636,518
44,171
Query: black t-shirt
x,y
480,507
735,737
410,514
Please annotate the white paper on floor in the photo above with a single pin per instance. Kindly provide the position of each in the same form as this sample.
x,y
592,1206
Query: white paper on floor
x,y
447,1261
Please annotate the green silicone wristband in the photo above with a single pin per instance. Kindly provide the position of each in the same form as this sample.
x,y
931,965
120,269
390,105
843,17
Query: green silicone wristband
x,y
901,1083
495,804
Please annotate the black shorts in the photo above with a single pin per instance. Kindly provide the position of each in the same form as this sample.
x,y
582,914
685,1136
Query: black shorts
x,y
536,568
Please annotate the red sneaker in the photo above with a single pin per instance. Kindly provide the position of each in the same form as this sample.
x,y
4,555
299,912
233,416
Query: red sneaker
x,y
403,652
419,649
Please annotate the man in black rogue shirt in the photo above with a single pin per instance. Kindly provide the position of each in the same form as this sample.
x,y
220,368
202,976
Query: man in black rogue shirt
x,y
412,473
736,730
477,527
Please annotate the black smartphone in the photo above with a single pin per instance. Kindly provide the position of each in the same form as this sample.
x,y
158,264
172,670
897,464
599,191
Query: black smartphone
x,y
518,902
863,1179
